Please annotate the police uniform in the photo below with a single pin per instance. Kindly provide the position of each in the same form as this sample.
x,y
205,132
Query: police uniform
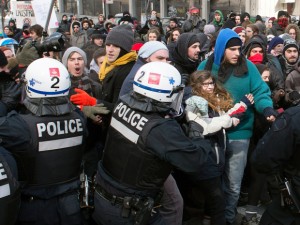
x,y
48,151
47,142
277,154
140,152
9,189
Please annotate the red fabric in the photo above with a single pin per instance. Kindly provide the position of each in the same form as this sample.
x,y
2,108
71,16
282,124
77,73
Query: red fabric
x,y
283,22
256,59
82,98
137,46
239,110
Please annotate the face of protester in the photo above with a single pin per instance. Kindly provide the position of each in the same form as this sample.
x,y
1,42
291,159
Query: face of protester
x,y
242,36
75,64
292,33
291,55
76,29
208,86
100,61
6,30
85,26
278,48
175,35
98,41
246,18
64,18
270,24
266,76
112,52
193,51
249,32
256,50
8,53
159,56
237,20
217,17
33,35
172,24
232,54
152,37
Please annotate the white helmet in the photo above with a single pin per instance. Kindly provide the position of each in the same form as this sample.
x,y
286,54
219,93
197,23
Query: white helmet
x,y
47,78
158,81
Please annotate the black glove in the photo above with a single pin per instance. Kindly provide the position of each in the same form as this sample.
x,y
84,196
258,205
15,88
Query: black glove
x,y
269,111
294,95
10,94
195,130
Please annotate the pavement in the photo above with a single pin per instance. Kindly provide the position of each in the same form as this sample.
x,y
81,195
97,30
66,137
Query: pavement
x,y
241,212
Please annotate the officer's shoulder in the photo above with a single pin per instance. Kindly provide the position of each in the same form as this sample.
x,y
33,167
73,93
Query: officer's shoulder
x,y
286,118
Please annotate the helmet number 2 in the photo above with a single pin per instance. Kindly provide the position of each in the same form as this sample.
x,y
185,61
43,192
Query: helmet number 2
x,y
56,81
140,77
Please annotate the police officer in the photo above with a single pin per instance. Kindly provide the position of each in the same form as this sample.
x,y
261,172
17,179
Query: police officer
x,y
277,155
142,147
9,188
47,143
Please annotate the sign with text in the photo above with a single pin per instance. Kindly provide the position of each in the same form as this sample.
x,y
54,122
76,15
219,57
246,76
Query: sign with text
x,y
23,13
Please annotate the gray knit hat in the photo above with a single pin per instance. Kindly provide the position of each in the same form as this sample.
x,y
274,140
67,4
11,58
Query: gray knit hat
x,y
121,36
150,47
69,51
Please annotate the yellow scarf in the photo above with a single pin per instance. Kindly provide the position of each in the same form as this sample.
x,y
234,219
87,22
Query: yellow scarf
x,y
106,67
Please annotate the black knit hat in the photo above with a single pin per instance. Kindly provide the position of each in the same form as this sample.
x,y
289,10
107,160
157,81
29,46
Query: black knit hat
x,y
234,42
121,36
3,59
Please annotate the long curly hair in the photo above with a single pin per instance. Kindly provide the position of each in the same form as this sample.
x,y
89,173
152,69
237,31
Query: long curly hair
x,y
219,100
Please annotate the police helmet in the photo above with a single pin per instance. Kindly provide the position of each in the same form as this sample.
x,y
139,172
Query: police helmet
x,y
47,78
159,81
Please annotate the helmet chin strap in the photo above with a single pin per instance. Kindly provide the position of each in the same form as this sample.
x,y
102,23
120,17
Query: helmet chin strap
x,y
49,106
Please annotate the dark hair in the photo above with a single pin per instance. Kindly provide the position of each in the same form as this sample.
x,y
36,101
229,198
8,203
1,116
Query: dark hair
x,y
219,100
98,53
38,29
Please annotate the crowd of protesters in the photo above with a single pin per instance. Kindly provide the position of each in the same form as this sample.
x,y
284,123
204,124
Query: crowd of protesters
x,y
239,74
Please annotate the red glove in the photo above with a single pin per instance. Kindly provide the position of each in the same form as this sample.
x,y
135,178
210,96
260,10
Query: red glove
x,y
83,98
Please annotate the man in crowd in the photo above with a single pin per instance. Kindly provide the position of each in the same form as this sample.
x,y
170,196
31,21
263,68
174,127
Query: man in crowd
x,y
239,77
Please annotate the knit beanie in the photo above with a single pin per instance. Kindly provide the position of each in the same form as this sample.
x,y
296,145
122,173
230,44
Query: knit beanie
x,y
288,44
193,40
274,42
239,29
121,36
234,42
209,29
3,59
69,51
282,13
150,47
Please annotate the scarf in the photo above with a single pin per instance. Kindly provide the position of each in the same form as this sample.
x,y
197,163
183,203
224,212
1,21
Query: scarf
x,y
107,67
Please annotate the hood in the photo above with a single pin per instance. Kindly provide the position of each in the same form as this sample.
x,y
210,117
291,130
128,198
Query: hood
x,y
224,36
180,53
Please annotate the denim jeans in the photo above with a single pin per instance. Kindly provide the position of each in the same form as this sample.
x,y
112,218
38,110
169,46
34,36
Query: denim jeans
x,y
235,163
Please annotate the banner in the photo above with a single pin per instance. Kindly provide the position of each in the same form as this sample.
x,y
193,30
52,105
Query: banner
x,y
23,13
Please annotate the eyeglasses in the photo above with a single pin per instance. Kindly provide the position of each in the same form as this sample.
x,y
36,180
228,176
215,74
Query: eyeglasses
x,y
208,83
